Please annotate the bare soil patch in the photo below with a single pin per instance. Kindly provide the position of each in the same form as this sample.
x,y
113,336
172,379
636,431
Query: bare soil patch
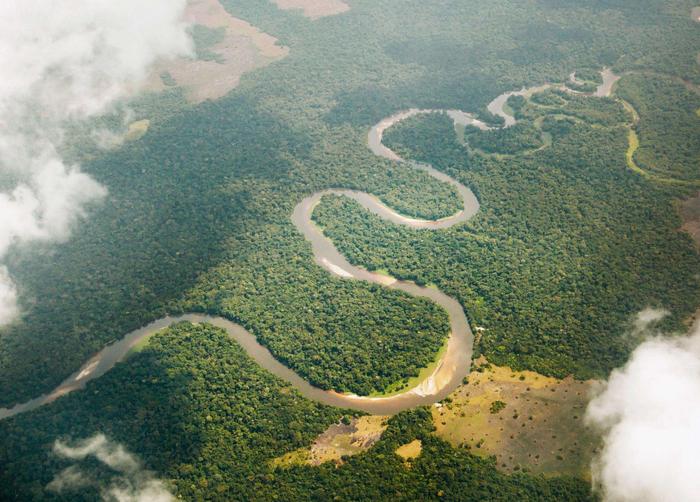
x,y
690,213
338,441
314,9
528,421
242,49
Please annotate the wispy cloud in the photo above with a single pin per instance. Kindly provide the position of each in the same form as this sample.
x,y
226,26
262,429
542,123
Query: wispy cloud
x,y
650,415
65,62
128,482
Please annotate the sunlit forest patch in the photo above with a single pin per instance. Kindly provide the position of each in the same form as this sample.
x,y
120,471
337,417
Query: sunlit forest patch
x,y
568,243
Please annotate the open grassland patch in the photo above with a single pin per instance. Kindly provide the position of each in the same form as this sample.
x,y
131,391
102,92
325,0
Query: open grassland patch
x,y
524,419
690,213
137,129
314,9
238,48
345,438
410,451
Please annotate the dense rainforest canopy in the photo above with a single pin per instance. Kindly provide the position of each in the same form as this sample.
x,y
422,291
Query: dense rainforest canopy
x,y
568,245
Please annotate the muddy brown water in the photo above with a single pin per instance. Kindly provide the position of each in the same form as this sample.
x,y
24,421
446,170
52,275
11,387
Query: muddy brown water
x,y
456,359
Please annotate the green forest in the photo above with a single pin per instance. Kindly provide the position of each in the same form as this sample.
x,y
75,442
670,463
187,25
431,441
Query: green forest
x,y
567,246
668,125
602,243
205,417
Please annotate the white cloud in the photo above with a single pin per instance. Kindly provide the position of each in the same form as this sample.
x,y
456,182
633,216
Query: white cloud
x,y
111,454
128,481
649,412
645,318
152,491
8,297
64,62
70,478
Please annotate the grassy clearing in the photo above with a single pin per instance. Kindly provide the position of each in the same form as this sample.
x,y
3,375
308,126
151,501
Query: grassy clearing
x,y
296,457
314,9
338,441
633,140
538,425
411,450
226,48
137,129
689,210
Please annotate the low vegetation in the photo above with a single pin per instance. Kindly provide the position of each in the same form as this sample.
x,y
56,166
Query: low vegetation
x,y
208,420
342,440
410,451
567,246
690,212
524,420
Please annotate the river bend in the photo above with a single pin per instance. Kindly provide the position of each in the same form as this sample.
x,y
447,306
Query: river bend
x,y
456,359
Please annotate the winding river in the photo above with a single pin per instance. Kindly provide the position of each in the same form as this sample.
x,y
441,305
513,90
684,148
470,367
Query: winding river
x,y
456,359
